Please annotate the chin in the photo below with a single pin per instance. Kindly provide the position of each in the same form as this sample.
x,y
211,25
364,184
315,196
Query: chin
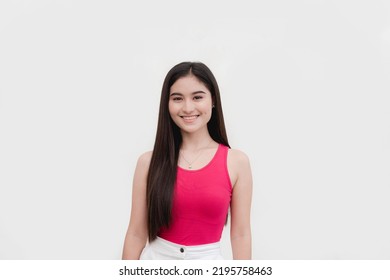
x,y
189,129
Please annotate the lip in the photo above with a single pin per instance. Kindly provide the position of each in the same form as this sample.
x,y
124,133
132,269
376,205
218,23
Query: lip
x,y
189,119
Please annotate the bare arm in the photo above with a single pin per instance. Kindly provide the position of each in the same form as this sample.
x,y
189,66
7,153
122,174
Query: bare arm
x,y
137,233
240,230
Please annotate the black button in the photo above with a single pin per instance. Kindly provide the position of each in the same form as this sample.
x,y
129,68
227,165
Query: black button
x,y
182,250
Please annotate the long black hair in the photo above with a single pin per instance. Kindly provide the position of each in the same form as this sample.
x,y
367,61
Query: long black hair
x,y
163,166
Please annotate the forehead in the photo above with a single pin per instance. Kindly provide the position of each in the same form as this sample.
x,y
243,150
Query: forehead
x,y
188,84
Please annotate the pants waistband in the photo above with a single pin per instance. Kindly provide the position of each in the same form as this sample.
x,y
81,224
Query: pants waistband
x,y
161,249
205,248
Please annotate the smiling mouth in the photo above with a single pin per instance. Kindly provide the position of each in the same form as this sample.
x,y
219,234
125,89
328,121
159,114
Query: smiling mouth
x,y
189,118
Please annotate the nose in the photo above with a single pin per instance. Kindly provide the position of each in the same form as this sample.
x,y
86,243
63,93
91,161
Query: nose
x,y
188,106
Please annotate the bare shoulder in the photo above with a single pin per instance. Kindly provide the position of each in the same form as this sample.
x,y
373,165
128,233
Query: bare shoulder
x,y
145,157
144,161
238,165
238,156
141,173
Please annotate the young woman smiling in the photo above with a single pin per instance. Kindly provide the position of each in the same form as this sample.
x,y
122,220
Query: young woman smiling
x,y
183,189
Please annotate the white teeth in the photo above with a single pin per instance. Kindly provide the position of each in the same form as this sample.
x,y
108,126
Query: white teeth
x,y
189,117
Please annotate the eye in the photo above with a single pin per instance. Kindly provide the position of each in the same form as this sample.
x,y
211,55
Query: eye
x,y
177,98
198,97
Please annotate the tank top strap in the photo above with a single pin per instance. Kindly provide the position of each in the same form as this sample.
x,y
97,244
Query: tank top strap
x,y
220,157
220,163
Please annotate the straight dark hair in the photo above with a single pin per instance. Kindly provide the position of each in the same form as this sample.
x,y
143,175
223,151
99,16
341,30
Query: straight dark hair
x,y
163,165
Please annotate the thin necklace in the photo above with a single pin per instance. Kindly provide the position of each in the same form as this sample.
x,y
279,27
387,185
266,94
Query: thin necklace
x,y
190,163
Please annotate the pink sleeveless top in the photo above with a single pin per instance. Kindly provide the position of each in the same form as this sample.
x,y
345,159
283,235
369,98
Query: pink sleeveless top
x,y
201,202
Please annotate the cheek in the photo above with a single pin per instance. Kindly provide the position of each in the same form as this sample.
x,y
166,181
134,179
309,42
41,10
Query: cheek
x,y
209,109
207,106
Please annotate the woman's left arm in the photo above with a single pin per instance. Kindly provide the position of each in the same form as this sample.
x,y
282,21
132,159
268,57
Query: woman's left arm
x,y
240,230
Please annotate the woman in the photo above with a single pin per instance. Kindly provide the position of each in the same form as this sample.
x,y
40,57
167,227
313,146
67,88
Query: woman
x,y
182,190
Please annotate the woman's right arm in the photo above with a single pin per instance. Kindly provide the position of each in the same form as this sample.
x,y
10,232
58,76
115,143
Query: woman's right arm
x,y
137,232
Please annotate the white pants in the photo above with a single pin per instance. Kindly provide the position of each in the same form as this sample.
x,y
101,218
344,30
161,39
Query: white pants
x,y
161,249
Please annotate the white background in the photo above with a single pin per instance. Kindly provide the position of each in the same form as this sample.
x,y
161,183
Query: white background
x,y
305,89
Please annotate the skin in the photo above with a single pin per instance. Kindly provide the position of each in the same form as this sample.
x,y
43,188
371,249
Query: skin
x,y
190,107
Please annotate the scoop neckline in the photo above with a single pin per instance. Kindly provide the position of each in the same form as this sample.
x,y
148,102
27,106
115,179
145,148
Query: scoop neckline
x,y
212,159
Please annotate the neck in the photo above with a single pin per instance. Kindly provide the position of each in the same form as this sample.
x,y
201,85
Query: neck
x,y
195,141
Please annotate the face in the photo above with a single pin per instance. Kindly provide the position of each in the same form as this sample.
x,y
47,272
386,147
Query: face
x,y
190,104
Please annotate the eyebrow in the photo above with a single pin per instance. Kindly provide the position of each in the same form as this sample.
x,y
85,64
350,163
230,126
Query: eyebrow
x,y
195,92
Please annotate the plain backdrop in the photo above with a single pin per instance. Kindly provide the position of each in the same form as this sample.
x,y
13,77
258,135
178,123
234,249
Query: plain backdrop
x,y
305,92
